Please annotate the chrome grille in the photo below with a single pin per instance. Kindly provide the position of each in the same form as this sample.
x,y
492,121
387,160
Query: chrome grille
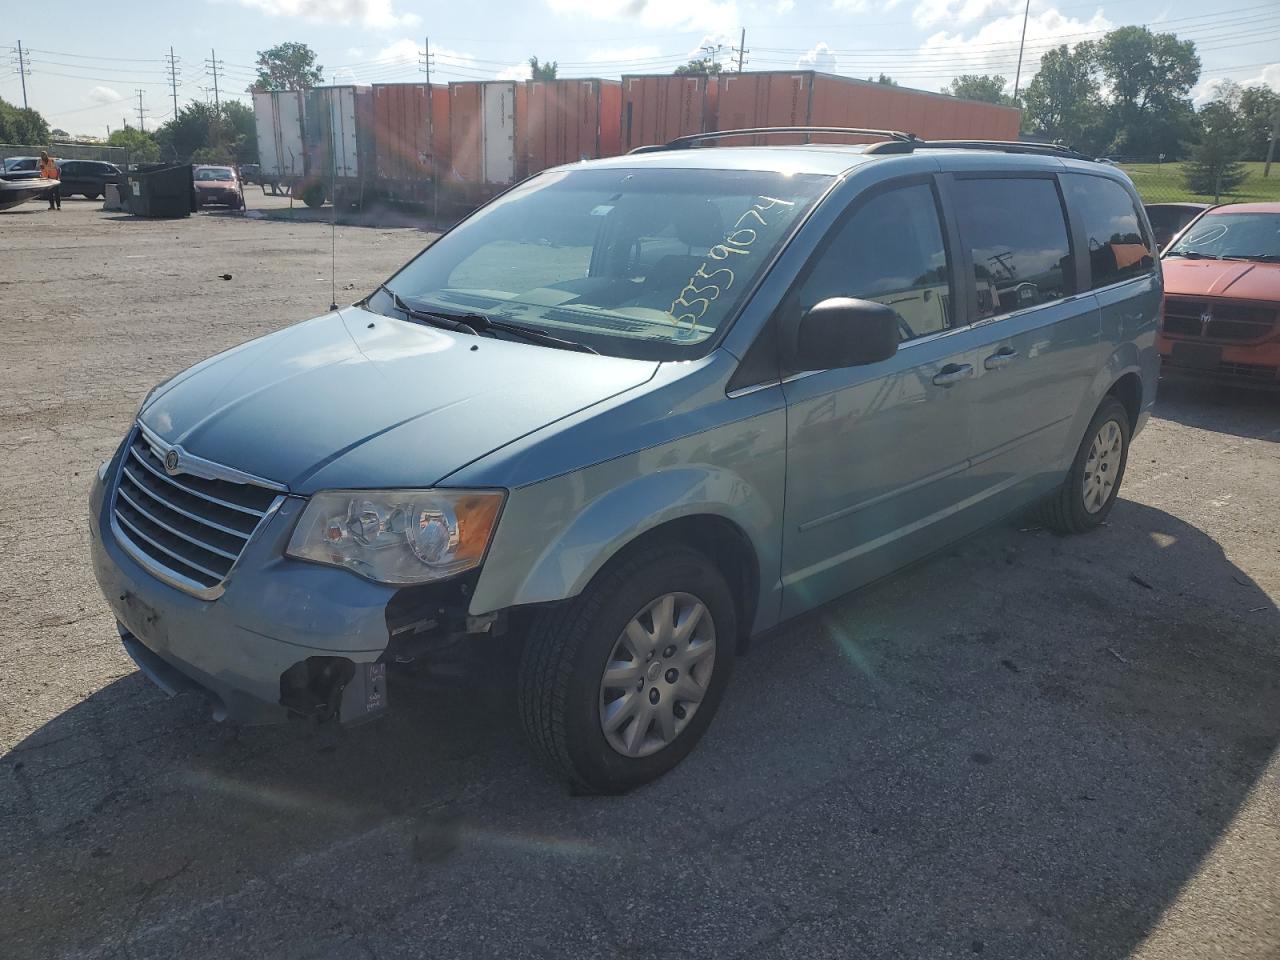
x,y
187,529
1227,321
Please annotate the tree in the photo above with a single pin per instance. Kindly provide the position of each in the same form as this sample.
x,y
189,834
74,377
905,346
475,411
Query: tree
x,y
1257,109
239,125
141,145
287,66
21,126
979,86
214,135
58,132
189,131
542,71
884,78
698,67
1062,101
1148,77
1214,168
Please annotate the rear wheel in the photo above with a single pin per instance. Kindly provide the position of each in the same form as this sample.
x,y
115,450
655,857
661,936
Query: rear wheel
x,y
92,196
314,195
1087,495
618,684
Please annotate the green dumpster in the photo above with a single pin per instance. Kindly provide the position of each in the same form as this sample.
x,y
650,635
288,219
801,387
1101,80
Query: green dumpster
x,y
161,190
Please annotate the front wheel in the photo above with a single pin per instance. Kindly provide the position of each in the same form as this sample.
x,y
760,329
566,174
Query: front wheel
x,y
618,684
1087,495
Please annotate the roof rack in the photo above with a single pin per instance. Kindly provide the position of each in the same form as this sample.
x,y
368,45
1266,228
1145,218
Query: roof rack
x,y
691,140
893,141
1003,146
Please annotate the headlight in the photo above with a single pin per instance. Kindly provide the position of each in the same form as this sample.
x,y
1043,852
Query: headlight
x,y
398,536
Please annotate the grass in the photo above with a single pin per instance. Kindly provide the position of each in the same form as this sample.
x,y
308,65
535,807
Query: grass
x,y
1163,183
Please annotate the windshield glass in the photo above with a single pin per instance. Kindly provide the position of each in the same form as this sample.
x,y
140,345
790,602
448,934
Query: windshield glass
x,y
1232,235
214,173
639,263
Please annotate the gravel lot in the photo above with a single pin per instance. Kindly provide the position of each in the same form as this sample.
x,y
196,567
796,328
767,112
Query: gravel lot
x,y
1026,747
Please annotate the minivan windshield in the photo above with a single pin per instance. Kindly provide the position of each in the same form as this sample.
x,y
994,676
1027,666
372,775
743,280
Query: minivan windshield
x,y
1244,236
643,263
214,173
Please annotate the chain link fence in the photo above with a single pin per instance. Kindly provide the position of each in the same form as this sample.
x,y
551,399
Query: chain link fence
x,y
1162,181
68,151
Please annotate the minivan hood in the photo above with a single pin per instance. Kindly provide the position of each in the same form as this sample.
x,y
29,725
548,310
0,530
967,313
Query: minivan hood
x,y
1240,279
356,399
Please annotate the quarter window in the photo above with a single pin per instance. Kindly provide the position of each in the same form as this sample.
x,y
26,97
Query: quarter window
x,y
1017,236
1118,248
890,251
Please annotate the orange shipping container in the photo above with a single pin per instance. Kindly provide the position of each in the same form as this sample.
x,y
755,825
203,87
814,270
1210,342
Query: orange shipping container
x,y
403,149
563,121
807,98
659,108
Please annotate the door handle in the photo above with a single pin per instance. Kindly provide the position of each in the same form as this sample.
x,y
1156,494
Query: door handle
x,y
953,373
1001,358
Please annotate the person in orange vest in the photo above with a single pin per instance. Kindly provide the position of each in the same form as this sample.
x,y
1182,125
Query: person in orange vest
x,y
49,170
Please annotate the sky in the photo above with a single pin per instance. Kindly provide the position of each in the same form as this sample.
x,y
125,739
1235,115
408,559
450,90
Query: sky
x,y
85,68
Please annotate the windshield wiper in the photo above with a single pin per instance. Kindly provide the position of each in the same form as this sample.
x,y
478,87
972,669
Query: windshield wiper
x,y
458,325
1192,255
478,324
1259,257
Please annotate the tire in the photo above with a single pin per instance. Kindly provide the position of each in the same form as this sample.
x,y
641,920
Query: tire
x,y
313,195
92,196
562,691
1075,507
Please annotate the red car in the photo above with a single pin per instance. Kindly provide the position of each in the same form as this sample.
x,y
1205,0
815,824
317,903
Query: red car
x,y
1222,296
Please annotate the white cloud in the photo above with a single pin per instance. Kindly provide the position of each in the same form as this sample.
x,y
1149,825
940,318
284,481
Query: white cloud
x,y
517,71
105,95
615,54
821,57
343,75
355,53
376,14
1269,77
994,47
400,51
928,13
687,14
784,6
849,6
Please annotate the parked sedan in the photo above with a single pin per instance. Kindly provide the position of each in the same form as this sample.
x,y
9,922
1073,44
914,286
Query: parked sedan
x,y
1222,297
21,168
89,178
1168,219
219,185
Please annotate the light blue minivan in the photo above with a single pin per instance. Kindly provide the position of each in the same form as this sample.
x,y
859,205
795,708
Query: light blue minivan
x,y
628,415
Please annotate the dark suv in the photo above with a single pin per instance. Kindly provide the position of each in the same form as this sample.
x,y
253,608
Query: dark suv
x,y
88,178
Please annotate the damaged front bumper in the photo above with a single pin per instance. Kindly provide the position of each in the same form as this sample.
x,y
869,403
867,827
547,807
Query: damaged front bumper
x,y
285,638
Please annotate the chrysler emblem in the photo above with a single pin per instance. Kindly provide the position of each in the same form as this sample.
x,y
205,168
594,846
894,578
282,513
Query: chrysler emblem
x,y
1206,318
172,462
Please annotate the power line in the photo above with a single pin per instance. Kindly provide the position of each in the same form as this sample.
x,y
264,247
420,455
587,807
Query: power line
x,y
213,66
425,59
142,114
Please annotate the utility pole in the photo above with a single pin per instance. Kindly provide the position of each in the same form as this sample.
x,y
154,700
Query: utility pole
x,y
214,65
1271,148
425,60
142,113
712,50
741,49
23,70
173,80
1017,77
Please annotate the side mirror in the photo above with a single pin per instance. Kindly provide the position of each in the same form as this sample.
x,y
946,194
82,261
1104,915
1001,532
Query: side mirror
x,y
843,332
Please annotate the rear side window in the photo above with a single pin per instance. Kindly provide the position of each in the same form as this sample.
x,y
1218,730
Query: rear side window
x,y
891,251
1017,236
1118,248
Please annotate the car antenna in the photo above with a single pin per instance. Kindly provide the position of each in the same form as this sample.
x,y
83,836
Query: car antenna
x,y
333,222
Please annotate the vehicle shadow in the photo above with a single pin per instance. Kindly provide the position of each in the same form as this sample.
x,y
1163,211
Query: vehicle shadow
x,y
1028,746
1221,407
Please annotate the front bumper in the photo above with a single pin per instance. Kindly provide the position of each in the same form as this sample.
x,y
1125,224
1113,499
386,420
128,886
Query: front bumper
x,y
229,197
1248,365
276,617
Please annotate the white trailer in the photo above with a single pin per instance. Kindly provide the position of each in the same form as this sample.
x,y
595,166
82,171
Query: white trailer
x,y
498,106
278,116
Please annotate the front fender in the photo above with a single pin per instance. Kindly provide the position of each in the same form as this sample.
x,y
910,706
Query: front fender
x,y
557,534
